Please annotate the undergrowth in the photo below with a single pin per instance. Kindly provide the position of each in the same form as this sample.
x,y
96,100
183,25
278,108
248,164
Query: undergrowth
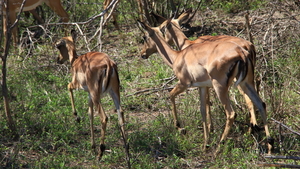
x,y
51,138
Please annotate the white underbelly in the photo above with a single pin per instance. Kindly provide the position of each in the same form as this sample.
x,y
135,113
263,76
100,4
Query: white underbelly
x,y
206,83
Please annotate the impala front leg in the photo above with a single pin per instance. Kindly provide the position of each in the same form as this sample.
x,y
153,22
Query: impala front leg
x,y
70,88
179,88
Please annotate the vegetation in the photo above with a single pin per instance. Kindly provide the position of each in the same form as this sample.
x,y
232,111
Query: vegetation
x,y
51,138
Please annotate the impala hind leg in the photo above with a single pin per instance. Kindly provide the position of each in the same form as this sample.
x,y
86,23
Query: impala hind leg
x,y
253,122
179,88
222,93
115,95
103,119
203,92
70,88
208,114
249,90
91,117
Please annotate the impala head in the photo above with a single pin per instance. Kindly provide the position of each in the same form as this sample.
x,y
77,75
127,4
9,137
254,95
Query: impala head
x,y
149,46
66,47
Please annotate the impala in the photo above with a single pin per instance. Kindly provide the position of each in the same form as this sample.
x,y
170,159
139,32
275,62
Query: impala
x,y
14,7
174,34
211,64
114,14
97,74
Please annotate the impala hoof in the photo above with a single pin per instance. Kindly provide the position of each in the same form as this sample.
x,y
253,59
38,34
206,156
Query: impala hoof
x,y
255,128
182,131
96,113
101,151
78,119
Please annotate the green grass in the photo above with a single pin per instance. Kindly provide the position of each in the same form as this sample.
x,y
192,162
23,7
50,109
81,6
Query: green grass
x,y
51,138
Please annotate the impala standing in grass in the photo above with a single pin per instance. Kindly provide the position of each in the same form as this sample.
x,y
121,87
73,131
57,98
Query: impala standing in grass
x,y
97,74
173,34
212,64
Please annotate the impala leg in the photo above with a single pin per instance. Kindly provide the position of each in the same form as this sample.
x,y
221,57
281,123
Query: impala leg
x,y
203,106
115,95
179,88
222,93
36,16
115,17
12,19
70,88
104,120
253,121
208,115
56,6
91,117
250,80
249,89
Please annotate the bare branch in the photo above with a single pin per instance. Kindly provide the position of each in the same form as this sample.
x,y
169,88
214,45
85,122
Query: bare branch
x,y
278,165
282,157
82,23
285,126
19,15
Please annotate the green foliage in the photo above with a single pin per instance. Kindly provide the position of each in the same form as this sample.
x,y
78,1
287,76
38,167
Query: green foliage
x,y
51,138
235,6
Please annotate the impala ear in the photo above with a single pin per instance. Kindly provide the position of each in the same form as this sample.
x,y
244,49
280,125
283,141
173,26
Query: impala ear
x,y
74,35
183,17
159,19
164,25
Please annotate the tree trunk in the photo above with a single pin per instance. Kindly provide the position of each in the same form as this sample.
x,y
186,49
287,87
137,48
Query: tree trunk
x,y
10,121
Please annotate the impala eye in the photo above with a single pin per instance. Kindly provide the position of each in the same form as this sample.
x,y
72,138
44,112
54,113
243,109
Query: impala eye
x,y
163,30
145,38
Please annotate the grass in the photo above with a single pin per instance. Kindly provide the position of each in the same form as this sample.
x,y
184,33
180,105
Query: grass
x,y
50,137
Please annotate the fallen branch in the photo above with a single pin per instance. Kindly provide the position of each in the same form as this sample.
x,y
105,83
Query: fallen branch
x,y
285,126
163,87
151,89
278,165
282,157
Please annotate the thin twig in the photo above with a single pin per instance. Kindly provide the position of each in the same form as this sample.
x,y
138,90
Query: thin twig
x,y
80,23
285,126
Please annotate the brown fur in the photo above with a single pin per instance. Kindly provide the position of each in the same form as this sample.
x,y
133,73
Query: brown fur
x,y
30,5
97,74
211,64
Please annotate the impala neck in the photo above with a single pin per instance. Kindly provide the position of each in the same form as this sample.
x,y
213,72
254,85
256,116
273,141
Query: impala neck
x,y
167,53
73,56
72,53
179,38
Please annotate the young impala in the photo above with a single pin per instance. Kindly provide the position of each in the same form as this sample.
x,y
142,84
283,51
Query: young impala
x,y
15,5
97,74
211,64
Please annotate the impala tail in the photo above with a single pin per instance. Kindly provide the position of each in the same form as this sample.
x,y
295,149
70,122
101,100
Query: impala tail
x,y
107,75
243,66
